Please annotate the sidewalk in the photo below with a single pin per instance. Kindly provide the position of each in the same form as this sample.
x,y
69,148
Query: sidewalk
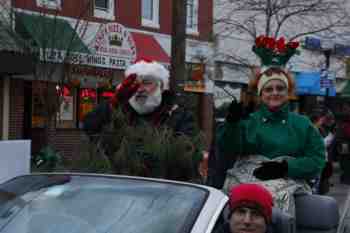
x,y
338,191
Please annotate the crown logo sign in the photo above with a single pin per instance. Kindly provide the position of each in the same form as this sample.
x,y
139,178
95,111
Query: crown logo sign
x,y
274,52
115,40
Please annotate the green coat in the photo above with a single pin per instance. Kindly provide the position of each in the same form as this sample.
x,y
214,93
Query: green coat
x,y
274,134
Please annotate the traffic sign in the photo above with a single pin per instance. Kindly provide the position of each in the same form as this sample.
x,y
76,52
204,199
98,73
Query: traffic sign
x,y
326,83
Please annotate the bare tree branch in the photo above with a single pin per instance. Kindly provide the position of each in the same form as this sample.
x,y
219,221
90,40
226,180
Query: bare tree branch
x,y
293,19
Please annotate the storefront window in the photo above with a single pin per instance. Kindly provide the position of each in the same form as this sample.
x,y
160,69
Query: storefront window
x,y
44,98
39,111
66,114
105,91
74,102
88,101
106,96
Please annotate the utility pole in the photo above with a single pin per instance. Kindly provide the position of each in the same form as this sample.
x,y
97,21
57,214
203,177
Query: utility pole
x,y
178,68
178,45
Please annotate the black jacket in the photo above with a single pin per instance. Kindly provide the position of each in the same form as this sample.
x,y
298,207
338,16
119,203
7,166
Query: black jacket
x,y
218,164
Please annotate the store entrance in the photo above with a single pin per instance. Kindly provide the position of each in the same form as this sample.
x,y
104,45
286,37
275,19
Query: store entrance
x,y
27,118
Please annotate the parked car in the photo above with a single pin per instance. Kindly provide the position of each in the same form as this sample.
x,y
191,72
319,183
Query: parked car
x,y
90,203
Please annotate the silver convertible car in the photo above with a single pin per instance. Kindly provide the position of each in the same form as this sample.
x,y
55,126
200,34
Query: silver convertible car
x,y
90,203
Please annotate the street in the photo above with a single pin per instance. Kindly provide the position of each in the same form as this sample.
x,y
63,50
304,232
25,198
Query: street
x,y
339,192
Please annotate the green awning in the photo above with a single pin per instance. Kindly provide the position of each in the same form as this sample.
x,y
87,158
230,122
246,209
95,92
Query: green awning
x,y
49,33
12,53
8,41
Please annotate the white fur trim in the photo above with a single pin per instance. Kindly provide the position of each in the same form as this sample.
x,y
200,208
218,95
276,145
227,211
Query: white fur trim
x,y
150,69
264,79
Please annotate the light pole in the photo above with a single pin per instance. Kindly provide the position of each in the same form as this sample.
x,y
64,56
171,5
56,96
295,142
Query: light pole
x,y
178,44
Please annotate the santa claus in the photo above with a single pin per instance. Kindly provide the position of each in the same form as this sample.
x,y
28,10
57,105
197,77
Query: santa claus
x,y
143,94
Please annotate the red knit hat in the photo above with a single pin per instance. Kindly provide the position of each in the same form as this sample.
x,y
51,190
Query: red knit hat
x,y
246,194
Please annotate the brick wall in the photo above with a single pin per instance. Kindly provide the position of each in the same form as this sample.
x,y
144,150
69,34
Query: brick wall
x,y
16,109
205,20
128,13
68,142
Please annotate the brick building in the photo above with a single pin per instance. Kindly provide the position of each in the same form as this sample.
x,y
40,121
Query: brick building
x,y
11,109
103,38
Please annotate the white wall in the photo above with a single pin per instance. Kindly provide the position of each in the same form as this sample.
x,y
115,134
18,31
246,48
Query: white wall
x,y
14,158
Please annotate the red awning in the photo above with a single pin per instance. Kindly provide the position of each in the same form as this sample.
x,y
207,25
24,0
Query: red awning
x,y
148,47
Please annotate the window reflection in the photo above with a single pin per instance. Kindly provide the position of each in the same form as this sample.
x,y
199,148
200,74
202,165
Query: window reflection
x,y
147,9
88,101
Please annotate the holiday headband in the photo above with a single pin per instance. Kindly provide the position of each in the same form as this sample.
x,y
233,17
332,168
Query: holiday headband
x,y
150,69
264,78
273,53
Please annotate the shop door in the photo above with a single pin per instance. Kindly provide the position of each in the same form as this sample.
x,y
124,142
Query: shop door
x,y
27,118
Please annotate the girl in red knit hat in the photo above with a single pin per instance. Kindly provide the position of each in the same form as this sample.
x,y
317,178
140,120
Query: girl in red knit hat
x,y
251,208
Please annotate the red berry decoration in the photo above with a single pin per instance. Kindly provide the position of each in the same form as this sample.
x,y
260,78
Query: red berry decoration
x,y
274,52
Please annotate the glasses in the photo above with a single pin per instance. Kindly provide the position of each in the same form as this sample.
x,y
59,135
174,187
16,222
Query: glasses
x,y
278,88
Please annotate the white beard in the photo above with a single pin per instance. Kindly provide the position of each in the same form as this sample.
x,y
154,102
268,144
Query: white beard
x,y
148,106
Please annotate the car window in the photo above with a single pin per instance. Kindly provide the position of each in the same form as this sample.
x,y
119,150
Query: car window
x,y
102,205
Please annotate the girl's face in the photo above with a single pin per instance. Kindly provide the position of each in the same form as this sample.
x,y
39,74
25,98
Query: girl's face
x,y
247,220
274,94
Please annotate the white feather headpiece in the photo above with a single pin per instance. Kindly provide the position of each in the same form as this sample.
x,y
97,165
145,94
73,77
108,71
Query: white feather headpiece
x,y
150,69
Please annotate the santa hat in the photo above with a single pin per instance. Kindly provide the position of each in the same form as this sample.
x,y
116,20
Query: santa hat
x,y
150,69
252,195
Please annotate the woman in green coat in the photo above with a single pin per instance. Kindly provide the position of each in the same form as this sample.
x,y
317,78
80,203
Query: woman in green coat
x,y
274,147
274,131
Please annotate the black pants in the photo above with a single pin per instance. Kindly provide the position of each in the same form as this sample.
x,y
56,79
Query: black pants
x,y
324,184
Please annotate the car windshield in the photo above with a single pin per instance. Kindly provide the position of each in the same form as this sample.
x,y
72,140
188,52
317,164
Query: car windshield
x,y
68,204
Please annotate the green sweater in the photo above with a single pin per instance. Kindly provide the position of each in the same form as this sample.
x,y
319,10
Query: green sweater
x,y
274,134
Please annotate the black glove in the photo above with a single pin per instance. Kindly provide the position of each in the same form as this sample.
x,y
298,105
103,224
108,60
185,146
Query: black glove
x,y
271,170
237,111
234,112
